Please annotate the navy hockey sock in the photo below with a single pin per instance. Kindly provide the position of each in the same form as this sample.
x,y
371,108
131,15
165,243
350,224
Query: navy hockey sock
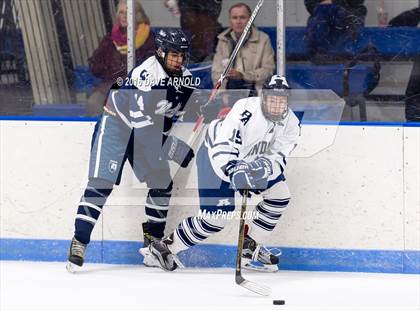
x,y
157,205
90,207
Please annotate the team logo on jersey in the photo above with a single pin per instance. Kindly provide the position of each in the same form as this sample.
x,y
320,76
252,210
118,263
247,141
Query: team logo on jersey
x,y
245,116
166,108
112,166
223,202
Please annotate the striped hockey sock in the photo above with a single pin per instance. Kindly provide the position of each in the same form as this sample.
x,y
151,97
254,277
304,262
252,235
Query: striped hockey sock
x,y
269,212
89,210
157,206
194,230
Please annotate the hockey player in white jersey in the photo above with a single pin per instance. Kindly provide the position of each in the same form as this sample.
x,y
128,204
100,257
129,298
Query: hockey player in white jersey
x,y
246,150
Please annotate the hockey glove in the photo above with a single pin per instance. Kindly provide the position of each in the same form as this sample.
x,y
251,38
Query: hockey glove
x,y
177,150
261,168
239,175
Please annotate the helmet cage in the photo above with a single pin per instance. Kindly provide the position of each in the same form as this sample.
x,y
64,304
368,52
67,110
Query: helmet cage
x,y
171,41
274,104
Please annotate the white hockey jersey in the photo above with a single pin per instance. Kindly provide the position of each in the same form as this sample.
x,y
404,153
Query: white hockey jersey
x,y
245,134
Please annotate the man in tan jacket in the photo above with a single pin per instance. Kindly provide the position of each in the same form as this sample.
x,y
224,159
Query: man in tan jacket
x,y
255,60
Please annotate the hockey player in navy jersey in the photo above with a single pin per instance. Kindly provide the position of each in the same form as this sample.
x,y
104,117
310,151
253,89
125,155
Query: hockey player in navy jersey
x,y
246,150
135,125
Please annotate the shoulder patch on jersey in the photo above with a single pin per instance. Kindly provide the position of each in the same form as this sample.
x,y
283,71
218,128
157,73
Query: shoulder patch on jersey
x,y
144,74
147,74
245,117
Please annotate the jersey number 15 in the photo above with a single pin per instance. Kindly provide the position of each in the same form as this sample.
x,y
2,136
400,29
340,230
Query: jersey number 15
x,y
236,137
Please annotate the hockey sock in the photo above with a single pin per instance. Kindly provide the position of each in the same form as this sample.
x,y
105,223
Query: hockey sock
x,y
269,212
157,205
194,230
90,207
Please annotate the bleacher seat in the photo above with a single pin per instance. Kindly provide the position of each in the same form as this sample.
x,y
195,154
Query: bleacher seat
x,y
328,77
84,80
390,41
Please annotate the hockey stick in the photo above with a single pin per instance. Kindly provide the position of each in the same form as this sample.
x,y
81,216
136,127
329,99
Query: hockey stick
x,y
239,279
199,124
199,127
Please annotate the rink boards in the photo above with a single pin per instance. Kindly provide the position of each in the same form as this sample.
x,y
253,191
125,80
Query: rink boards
x,y
355,200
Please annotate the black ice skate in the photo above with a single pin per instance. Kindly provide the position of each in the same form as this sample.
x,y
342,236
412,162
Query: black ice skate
x,y
148,259
76,255
167,260
258,257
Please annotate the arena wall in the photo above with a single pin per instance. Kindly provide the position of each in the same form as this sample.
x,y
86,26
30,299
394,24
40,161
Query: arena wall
x,y
355,200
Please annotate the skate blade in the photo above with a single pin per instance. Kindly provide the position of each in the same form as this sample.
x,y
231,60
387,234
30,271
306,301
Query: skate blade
x,y
177,261
72,268
258,266
171,257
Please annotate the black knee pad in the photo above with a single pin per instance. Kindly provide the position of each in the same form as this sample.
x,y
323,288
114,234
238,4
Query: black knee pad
x,y
159,196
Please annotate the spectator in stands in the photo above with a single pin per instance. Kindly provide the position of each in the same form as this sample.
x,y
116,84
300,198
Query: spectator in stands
x,y
199,20
411,18
109,60
255,60
332,34
357,11
333,26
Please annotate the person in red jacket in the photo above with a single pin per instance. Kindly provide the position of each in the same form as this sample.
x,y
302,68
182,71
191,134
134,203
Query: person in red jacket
x,y
109,60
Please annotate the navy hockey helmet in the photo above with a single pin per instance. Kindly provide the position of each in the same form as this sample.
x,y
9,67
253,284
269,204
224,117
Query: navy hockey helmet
x,y
274,98
171,40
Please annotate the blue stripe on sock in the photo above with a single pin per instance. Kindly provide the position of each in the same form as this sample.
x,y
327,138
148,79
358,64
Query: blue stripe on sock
x,y
264,224
183,237
209,227
267,213
194,230
276,203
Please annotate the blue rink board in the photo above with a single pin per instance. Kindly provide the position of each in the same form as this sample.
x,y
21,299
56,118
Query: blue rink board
x,y
213,256
26,118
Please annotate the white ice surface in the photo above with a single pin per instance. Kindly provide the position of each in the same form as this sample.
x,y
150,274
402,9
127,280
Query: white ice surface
x,y
35,285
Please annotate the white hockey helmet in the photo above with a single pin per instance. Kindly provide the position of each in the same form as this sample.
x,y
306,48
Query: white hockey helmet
x,y
274,98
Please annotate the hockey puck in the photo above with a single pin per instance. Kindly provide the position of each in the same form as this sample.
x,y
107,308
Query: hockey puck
x,y
278,302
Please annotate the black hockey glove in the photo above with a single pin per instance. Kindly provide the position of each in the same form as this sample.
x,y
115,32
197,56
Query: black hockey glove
x,y
177,150
240,176
261,168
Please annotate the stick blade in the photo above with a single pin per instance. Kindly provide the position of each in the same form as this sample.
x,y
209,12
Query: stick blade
x,y
256,288
253,287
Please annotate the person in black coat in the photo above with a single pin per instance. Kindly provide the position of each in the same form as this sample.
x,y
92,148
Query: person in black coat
x,y
199,21
333,26
411,18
